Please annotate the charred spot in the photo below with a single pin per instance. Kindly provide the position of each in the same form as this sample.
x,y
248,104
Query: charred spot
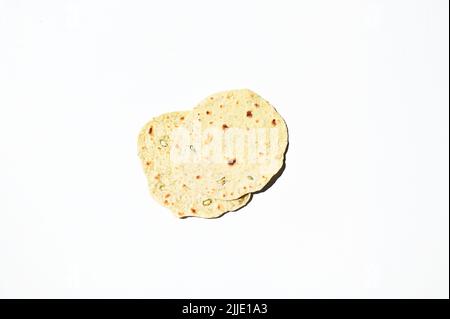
x,y
208,112
224,127
249,114
150,130
231,162
274,122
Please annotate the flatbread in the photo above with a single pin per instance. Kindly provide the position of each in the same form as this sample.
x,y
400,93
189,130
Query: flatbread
x,y
154,148
210,160
257,140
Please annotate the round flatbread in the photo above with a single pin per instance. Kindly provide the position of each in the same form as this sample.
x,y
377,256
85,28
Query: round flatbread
x,y
155,144
239,141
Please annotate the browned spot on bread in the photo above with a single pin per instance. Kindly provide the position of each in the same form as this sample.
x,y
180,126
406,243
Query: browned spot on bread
x,y
211,123
180,214
211,98
237,102
167,196
231,162
245,187
198,177
166,202
219,207
182,118
257,121
231,194
208,139
221,105
256,105
249,114
148,163
194,211
224,127
150,130
208,112
157,177
274,122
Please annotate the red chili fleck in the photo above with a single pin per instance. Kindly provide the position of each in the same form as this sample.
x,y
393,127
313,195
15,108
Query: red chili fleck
x,y
150,131
249,114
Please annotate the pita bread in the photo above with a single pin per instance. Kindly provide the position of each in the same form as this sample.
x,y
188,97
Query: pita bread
x,y
242,139
154,145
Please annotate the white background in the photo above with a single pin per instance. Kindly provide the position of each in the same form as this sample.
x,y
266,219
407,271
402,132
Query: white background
x,y
360,211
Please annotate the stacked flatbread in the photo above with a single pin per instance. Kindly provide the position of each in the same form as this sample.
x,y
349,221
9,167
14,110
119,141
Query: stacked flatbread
x,y
208,161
